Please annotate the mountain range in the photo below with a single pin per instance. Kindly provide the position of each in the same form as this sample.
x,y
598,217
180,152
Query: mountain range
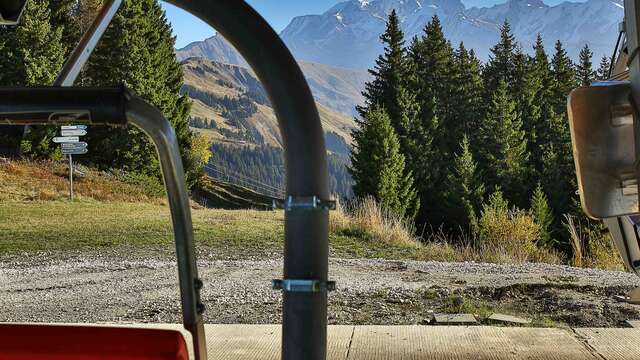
x,y
347,34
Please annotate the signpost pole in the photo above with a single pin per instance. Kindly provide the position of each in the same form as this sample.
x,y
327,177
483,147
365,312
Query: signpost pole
x,y
71,177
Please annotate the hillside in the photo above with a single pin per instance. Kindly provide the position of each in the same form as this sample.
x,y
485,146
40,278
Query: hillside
x,y
231,100
25,181
339,89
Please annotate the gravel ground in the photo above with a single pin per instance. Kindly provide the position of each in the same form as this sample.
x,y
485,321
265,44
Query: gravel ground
x,y
125,285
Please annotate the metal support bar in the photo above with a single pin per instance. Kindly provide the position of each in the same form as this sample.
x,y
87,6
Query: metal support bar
x,y
306,245
153,123
72,67
11,11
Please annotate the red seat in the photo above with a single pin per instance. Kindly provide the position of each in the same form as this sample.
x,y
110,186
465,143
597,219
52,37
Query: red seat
x,y
52,342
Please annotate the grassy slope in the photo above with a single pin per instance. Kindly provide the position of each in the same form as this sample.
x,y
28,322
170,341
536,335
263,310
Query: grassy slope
x,y
60,225
35,216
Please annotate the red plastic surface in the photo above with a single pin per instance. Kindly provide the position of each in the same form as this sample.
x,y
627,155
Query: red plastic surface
x,y
51,342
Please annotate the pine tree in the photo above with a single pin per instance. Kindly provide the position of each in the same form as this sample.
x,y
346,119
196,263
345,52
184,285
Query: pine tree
x,y
603,69
504,151
378,167
564,78
501,65
36,54
468,93
432,65
387,89
432,80
540,109
466,189
137,51
542,215
584,70
64,15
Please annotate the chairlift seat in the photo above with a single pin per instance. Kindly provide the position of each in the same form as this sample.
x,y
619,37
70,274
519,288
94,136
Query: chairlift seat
x,y
62,342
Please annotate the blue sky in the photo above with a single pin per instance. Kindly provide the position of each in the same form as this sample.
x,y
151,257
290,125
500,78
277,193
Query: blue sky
x,y
278,12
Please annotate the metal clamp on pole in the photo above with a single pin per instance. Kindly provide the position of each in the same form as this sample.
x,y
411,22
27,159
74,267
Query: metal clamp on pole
x,y
308,203
297,285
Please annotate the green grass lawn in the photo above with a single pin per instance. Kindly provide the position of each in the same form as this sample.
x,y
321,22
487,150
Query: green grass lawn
x,y
60,225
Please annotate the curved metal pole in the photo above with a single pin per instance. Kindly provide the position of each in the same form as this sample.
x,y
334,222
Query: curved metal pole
x,y
153,123
306,231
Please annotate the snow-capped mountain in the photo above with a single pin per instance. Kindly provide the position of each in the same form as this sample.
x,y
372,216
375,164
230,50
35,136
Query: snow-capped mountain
x,y
347,34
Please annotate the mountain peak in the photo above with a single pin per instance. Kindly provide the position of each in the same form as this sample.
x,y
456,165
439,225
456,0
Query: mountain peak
x,y
528,3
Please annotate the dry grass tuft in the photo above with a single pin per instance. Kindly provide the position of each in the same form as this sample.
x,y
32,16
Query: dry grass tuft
x,y
366,216
577,240
592,246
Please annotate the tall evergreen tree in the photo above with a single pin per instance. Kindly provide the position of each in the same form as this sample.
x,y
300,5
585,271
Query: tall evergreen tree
x,y
504,151
36,54
64,16
603,69
387,89
432,81
467,94
137,51
564,78
378,166
432,65
537,116
466,192
501,65
584,70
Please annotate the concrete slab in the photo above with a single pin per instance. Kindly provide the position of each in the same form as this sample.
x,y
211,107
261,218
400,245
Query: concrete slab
x,y
262,342
473,342
613,344
504,318
454,319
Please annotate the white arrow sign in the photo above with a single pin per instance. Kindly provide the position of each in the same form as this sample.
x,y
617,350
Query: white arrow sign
x,y
74,132
75,151
73,127
77,145
66,139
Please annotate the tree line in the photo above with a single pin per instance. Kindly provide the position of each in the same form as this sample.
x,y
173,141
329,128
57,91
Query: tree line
x,y
136,51
441,132
265,164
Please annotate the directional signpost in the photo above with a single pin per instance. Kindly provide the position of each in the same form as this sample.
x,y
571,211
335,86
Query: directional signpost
x,y
70,144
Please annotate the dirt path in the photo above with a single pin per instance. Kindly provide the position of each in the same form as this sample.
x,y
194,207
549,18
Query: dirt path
x,y
102,287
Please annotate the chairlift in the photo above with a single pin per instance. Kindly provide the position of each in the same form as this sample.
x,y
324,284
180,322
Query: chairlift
x,y
605,133
305,282
10,11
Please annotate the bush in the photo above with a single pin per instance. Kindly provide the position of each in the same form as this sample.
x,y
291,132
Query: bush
x,y
150,185
509,235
